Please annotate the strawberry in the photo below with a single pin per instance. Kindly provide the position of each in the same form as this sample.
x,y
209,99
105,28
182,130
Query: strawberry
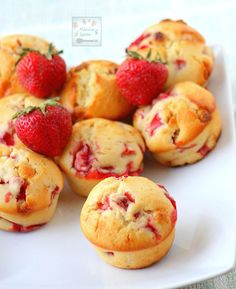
x,y
41,74
45,129
141,80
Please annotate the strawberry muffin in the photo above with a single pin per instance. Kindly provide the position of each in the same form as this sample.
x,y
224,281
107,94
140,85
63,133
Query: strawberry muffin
x,y
8,107
12,47
98,149
180,47
91,91
181,126
130,221
30,185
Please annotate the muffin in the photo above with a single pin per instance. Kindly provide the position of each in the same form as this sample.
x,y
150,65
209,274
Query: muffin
x,y
130,221
8,107
91,91
30,185
181,126
98,149
180,47
11,49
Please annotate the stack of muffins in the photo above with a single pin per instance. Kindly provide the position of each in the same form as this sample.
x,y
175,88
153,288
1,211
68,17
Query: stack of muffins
x,y
129,219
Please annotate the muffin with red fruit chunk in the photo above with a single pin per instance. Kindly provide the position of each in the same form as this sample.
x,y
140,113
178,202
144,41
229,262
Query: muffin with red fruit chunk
x,y
29,64
180,47
130,221
98,149
9,105
91,91
30,185
181,126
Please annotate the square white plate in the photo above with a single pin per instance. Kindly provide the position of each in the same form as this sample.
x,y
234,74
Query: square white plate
x,y
58,256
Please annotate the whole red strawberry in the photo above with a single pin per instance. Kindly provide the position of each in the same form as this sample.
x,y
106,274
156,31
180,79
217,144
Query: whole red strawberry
x,y
41,74
141,80
45,129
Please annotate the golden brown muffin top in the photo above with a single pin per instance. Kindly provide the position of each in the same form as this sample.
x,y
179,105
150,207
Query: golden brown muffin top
x,y
100,147
91,91
176,117
127,214
28,181
180,47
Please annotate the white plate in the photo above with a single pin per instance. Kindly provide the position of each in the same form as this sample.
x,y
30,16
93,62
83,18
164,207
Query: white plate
x,y
58,256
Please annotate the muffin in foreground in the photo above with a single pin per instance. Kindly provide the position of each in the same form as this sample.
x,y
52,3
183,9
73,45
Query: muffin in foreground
x,y
130,221
180,47
11,49
98,149
91,91
30,185
181,126
9,106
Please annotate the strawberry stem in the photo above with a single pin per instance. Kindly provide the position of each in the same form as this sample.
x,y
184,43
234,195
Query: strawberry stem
x,y
52,51
43,106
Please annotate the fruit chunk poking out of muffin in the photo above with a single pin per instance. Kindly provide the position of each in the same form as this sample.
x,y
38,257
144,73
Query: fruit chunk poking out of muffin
x,y
180,47
30,185
99,149
130,221
91,91
181,126
29,64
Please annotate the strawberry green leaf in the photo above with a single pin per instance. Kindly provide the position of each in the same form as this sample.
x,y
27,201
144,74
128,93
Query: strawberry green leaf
x,y
135,54
49,54
27,110
52,51
148,57
43,106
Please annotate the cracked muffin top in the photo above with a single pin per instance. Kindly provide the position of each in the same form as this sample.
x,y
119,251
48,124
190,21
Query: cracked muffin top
x,y
28,181
91,91
176,117
128,213
100,148
180,47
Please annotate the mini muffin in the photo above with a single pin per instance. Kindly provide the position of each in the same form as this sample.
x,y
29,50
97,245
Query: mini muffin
x,y
130,221
180,47
98,149
181,126
30,185
11,49
8,107
91,91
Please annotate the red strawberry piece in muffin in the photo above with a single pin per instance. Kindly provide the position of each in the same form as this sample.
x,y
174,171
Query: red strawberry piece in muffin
x,y
99,149
30,185
182,127
130,221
